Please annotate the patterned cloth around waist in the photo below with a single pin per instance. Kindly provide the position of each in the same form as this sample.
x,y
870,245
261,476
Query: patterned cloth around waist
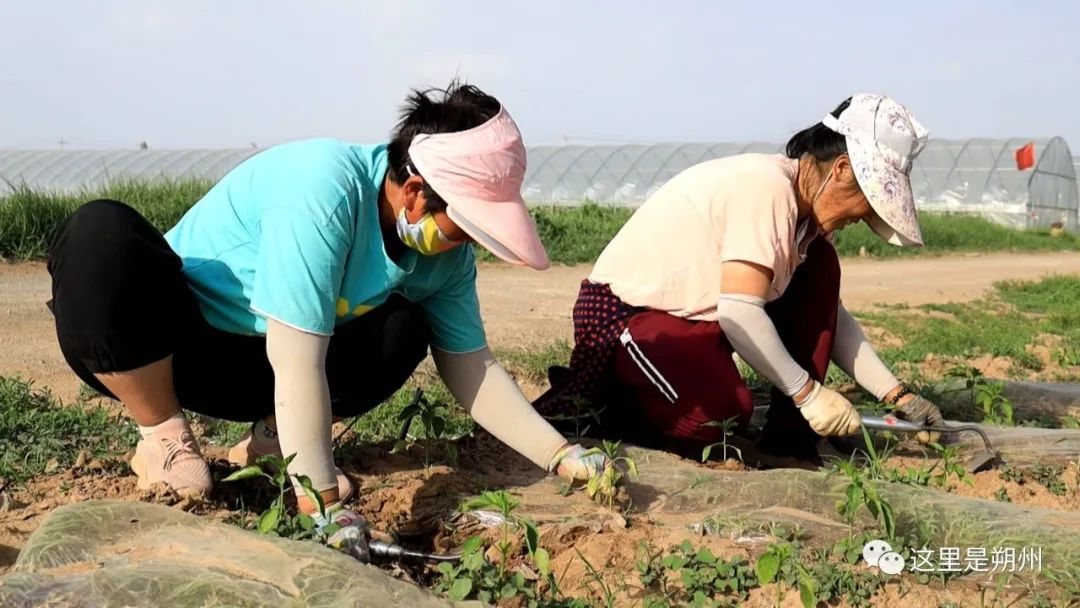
x,y
599,319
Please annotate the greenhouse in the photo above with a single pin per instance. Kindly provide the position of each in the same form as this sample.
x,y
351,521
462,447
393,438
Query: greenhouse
x,y
969,176
979,176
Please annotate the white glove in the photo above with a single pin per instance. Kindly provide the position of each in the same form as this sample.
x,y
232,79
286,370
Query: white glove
x,y
829,413
345,530
572,463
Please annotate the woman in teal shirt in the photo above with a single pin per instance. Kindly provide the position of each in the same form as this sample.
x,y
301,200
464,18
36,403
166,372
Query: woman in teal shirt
x,y
307,285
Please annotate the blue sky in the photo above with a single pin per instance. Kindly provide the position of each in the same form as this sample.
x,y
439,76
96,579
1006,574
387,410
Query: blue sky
x,y
226,73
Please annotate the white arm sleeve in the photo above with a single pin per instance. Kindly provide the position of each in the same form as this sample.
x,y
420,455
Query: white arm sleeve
x,y
494,400
753,335
302,402
854,354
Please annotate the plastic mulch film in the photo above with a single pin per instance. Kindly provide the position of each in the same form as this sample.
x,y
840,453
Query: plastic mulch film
x,y
110,553
710,498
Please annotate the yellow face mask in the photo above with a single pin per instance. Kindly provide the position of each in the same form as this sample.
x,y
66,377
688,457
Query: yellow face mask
x,y
424,236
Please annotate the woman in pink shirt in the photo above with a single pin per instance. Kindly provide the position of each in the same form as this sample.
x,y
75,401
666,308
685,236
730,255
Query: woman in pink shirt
x,y
735,255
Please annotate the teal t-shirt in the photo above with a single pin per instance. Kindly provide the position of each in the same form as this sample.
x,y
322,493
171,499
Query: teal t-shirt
x,y
293,234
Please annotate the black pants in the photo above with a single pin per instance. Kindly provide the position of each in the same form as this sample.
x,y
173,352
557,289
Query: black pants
x,y
121,301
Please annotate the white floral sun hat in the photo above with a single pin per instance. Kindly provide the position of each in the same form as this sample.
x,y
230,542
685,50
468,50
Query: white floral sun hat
x,y
883,139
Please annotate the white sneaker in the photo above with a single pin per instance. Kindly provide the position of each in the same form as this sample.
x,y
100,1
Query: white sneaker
x,y
171,456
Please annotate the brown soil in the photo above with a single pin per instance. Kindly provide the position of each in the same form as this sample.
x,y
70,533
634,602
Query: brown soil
x,y
986,484
1031,493
935,366
1045,347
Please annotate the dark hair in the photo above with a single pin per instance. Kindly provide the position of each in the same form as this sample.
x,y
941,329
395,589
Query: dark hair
x,y
819,141
456,108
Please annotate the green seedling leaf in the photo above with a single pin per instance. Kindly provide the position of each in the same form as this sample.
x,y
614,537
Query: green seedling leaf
x,y
306,522
532,537
543,562
268,521
472,544
473,562
438,425
807,591
460,589
705,556
888,520
271,461
490,500
689,577
768,565
673,562
705,452
245,473
869,444
408,413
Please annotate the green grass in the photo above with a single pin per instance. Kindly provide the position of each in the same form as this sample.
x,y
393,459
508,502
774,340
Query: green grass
x,y
532,365
219,432
381,424
28,218
1055,299
1001,325
572,235
38,434
955,233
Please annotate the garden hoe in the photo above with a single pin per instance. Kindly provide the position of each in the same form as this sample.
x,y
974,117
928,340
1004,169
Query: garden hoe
x,y
381,551
981,460
389,551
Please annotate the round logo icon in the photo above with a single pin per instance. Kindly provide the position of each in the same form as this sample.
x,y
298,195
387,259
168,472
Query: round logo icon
x,y
873,551
891,563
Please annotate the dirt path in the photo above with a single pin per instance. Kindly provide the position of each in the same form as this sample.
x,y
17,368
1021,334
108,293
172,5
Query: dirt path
x,y
524,308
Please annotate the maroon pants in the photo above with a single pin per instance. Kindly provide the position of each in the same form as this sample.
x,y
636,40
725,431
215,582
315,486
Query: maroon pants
x,y
679,374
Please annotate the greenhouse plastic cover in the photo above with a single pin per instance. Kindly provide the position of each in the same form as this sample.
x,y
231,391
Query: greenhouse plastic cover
x,y
973,176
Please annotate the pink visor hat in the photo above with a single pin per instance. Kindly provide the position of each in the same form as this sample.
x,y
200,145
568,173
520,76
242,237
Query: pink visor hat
x,y
479,172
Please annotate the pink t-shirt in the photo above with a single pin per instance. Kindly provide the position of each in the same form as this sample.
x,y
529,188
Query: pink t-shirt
x,y
668,256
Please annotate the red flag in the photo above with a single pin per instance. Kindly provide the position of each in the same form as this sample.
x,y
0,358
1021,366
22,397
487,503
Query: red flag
x,y
1025,157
